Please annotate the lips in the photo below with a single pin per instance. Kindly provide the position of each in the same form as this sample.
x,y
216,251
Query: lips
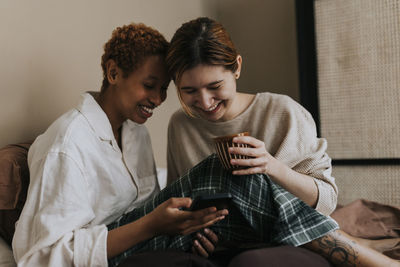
x,y
146,111
213,109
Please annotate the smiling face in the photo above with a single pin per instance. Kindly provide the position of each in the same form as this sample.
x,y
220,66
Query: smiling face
x,y
209,91
134,97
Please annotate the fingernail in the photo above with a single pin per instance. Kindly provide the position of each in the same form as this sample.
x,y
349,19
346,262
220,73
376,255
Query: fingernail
x,y
196,243
222,217
199,235
206,230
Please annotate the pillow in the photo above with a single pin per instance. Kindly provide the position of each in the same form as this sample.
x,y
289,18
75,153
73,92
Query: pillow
x,y
14,181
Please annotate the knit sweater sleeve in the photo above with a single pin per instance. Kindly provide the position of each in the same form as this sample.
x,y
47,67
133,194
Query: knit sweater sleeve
x,y
305,153
172,153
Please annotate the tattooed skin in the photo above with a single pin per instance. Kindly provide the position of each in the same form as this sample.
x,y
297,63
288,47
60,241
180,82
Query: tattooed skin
x,y
338,252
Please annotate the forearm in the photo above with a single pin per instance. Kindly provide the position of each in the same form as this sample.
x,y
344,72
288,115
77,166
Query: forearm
x,y
300,185
122,238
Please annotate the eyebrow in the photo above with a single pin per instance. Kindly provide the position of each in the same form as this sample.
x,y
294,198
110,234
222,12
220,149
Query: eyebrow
x,y
151,77
210,84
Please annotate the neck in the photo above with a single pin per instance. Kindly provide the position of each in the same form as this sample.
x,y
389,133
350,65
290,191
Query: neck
x,y
104,99
241,102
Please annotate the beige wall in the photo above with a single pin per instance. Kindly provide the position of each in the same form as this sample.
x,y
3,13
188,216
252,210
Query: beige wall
x,y
264,32
50,53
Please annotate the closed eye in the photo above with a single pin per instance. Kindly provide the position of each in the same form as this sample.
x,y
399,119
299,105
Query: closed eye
x,y
214,87
148,86
189,91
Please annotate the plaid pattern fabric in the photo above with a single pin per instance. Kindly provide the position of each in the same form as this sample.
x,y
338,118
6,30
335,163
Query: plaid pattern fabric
x,y
261,211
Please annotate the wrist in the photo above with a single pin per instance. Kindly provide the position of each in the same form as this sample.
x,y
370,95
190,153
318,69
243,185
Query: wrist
x,y
150,225
279,170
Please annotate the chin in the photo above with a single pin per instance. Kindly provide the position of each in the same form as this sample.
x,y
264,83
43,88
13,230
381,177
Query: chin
x,y
139,120
210,118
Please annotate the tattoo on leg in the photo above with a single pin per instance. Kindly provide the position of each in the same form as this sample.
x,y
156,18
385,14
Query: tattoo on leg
x,y
337,251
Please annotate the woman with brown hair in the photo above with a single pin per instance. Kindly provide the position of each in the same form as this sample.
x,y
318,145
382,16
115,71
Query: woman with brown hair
x,y
283,146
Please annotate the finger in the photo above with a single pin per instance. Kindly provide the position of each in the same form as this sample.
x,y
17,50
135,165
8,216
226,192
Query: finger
x,y
211,235
254,142
194,251
209,223
253,152
179,202
204,216
197,223
205,213
205,243
253,162
198,218
248,171
199,249
194,226
245,151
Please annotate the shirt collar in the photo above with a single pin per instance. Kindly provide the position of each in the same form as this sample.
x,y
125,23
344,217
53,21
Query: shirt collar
x,y
96,117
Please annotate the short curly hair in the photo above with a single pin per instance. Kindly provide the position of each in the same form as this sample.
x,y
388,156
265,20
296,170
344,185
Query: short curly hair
x,y
129,46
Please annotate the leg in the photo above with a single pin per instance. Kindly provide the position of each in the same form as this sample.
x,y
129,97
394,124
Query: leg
x,y
380,245
343,250
166,258
261,211
282,256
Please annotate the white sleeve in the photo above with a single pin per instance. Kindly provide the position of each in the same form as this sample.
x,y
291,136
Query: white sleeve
x,y
54,227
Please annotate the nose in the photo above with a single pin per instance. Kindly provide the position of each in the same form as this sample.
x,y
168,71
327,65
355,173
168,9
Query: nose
x,y
204,99
158,96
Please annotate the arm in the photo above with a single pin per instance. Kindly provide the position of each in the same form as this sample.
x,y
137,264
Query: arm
x,y
174,221
54,227
300,185
299,163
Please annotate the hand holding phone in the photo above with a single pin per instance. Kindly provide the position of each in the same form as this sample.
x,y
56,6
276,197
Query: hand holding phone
x,y
219,200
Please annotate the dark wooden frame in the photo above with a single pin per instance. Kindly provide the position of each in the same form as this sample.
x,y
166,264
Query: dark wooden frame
x,y
308,80
308,75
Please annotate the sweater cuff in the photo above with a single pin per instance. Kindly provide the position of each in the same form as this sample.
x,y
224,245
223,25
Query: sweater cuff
x,y
327,197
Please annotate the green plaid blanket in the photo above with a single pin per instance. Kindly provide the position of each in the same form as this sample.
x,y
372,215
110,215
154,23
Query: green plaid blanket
x,y
261,211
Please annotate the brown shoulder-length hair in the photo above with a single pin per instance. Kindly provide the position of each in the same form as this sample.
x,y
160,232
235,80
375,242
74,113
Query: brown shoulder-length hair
x,y
199,41
129,45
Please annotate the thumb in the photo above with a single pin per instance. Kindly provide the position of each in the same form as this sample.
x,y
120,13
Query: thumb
x,y
180,202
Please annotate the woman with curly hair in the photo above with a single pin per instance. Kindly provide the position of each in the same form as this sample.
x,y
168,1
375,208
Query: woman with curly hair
x,y
93,169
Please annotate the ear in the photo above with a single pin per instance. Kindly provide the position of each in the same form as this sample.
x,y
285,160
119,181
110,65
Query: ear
x,y
113,72
239,68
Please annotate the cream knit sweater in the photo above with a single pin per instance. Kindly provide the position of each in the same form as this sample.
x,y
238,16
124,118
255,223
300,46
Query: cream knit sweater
x,y
287,129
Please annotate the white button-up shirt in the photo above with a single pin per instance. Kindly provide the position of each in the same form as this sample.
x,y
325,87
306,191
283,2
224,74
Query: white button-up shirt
x,y
80,182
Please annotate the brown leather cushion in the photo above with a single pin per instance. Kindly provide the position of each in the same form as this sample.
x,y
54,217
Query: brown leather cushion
x,y
14,181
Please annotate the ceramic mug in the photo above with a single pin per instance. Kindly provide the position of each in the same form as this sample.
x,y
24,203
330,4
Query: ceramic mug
x,y
222,143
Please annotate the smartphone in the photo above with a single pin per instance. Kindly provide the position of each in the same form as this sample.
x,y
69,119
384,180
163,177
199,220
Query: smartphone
x,y
218,200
